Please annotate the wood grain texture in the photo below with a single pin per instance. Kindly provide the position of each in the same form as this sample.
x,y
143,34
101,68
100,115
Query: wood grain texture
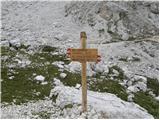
x,y
83,74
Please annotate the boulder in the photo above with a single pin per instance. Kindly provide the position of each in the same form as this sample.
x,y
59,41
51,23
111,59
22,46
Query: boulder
x,y
106,70
44,83
39,78
61,37
133,89
130,97
141,86
77,86
106,104
74,67
140,78
101,68
63,75
59,64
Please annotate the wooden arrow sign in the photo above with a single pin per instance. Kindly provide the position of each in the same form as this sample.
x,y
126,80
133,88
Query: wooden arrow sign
x,y
80,55
83,55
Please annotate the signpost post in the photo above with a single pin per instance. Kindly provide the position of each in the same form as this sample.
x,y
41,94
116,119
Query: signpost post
x,y
83,55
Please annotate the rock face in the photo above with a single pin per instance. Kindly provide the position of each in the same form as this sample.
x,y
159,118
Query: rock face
x,y
125,33
110,105
106,21
115,20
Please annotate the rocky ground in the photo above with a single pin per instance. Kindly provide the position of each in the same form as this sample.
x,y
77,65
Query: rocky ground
x,y
36,73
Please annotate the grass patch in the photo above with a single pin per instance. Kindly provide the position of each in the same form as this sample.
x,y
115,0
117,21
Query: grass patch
x,y
121,76
43,114
44,57
22,46
68,106
48,48
136,59
148,102
109,86
131,38
123,59
153,84
122,15
22,87
71,79
4,51
115,37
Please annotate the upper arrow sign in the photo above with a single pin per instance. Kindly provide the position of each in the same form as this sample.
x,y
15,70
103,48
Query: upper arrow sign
x,y
88,55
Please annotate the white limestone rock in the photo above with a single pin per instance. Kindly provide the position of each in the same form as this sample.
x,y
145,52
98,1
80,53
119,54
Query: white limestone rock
x,y
100,68
157,98
130,97
44,83
40,78
61,37
140,78
74,67
15,42
59,64
133,89
116,73
77,86
106,69
110,105
57,82
129,83
141,86
151,93
63,75
11,77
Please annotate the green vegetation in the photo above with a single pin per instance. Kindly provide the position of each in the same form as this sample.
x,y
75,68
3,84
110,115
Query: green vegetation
x,y
109,86
121,76
122,15
153,84
47,48
101,31
115,36
22,46
19,84
135,59
71,79
4,51
123,59
22,87
131,38
68,106
43,114
148,102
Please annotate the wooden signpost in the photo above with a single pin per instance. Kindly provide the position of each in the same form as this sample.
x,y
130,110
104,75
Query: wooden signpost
x,y
83,55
